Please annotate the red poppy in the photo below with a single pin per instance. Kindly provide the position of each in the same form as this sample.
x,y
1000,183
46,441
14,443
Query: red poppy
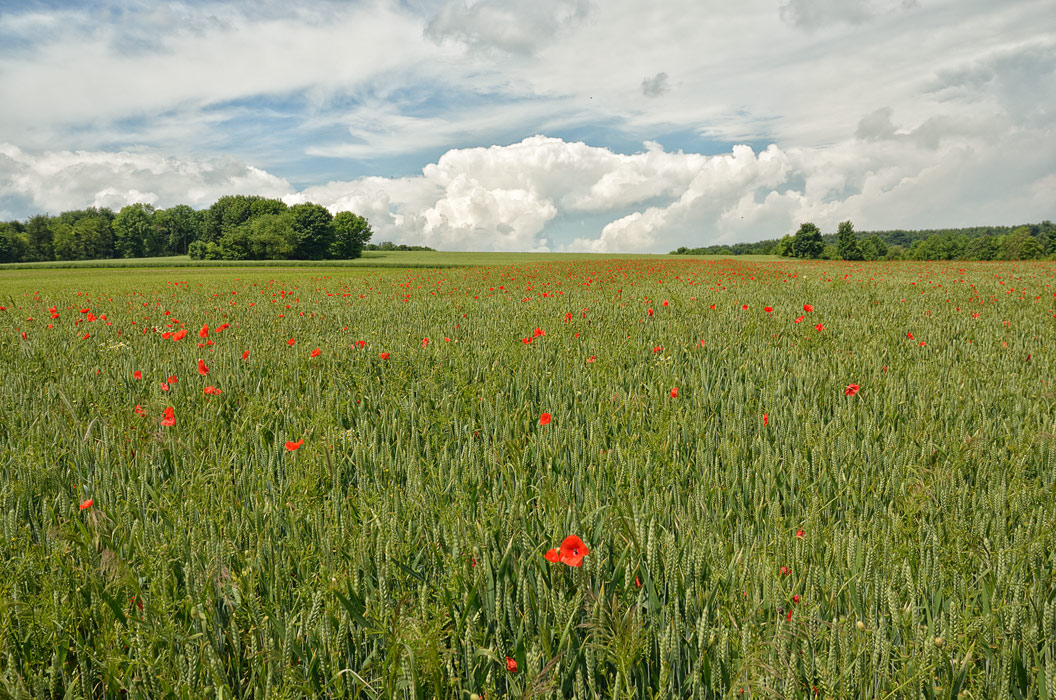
x,y
384,355
172,379
795,599
202,369
800,534
86,504
511,665
552,555
538,332
798,320
291,446
591,359
851,390
909,335
245,355
766,420
140,411
819,328
744,307
315,352
204,332
164,386
657,348
212,390
169,417
768,309
137,374
808,308
361,343
637,582
674,392
573,550
665,303
544,419
291,341
785,571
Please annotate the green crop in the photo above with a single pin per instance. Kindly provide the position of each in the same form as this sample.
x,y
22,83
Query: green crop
x,y
765,532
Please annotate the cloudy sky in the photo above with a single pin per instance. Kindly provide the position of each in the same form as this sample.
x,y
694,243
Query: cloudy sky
x,y
593,125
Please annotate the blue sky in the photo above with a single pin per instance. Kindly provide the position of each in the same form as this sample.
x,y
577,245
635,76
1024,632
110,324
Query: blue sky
x,y
623,126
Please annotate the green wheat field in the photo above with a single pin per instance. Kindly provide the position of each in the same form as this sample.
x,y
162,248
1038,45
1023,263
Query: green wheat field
x,y
792,480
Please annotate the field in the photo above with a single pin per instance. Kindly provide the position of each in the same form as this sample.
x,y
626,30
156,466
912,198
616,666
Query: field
x,y
791,479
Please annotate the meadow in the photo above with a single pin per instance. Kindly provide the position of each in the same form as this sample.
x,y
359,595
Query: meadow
x,y
788,480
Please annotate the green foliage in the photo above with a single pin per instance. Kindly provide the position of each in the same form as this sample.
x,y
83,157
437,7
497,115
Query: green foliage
x,y
134,232
807,242
351,233
847,243
313,231
399,551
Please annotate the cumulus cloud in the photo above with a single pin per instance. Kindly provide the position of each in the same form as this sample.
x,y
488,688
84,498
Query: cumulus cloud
x,y
59,180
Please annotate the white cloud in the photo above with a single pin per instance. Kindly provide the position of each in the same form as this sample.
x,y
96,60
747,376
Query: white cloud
x,y
59,180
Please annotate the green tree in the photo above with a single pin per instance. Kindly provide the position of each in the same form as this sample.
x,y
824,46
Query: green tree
x,y
134,235
14,243
40,238
351,233
271,237
784,246
1020,245
234,210
807,242
313,231
981,248
873,248
178,226
847,243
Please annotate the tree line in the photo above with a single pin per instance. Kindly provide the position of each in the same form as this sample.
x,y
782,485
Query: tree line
x,y
235,227
1026,242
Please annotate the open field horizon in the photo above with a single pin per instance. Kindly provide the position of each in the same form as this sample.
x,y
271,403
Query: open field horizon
x,y
790,479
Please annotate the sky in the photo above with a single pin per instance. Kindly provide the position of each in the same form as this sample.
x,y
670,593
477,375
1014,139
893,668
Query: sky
x,y
612,126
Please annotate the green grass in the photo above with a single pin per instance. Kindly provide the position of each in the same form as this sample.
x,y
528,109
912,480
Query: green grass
x,y
400,551
432,259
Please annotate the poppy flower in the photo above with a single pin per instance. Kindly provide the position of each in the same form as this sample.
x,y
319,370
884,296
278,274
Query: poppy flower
x,y
202,368
800,534
361,343
744,307
552,555
851,390
291,446
573,550
212,390
245,355
798,320
87,504
315,352
544,419
808,308
674,392
795,599
785,571
591,359
172,379
164,386
169,417
179,335
909,335
384,355
291,341
538,332
819,328
768,309
766,420
137,374
204,332
511,665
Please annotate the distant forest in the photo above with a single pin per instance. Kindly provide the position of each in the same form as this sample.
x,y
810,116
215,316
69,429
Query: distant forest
x,y
236,227
1026,242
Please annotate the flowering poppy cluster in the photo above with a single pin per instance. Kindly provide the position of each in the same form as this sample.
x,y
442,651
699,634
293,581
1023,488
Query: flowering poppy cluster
x,y
571,552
